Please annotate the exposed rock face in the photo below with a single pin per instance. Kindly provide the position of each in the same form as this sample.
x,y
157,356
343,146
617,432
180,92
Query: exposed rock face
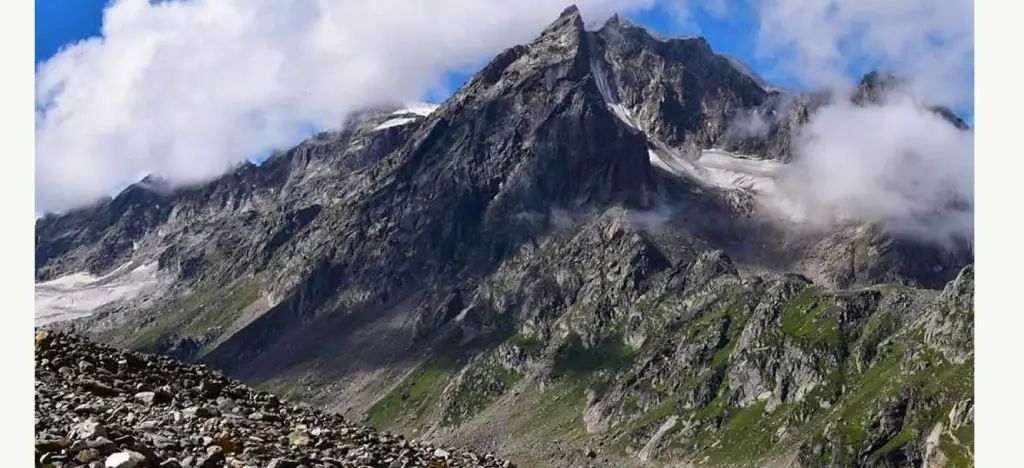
x,y
512,266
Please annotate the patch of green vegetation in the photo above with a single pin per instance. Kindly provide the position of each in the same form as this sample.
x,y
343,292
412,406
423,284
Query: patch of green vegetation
x,y
407,406
960,454
808,316
209,307
879,380
743,420
714,409
508,378
575,361
722,355
879,326
530,345
965,435
806,299
897,442
745,435
481,386
730,309
946,378
658,414
287,387
411,399
556,414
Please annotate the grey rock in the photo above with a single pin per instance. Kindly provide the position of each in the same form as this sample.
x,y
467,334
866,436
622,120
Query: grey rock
x,y
126,459
88,430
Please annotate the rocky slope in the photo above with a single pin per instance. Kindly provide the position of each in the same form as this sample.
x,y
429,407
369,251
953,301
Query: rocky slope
x,y
548,265
99,406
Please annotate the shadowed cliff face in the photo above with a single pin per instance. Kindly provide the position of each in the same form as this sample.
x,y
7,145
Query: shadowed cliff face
x,y
520,234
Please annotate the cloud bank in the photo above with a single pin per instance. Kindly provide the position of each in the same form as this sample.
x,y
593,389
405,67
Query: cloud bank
x,y
898,164
187,88
819,41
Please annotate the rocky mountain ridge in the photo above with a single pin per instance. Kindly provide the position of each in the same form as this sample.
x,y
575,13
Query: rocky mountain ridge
x,y
548,239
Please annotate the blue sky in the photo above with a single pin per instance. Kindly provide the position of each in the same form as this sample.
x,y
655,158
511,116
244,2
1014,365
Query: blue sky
x,y
59,22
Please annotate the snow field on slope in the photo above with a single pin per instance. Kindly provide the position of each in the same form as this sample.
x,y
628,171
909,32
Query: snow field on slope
x,y
80,294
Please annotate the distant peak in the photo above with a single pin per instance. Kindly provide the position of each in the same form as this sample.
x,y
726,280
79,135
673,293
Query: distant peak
x,y
620,24
613,22
875,86
153,183
881,79
570,11
153,179
570,19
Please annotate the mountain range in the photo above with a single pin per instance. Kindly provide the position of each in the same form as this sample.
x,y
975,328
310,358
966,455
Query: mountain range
x,y
576,259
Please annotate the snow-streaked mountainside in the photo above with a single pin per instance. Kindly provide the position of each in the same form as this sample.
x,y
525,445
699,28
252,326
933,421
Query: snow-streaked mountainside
x,y
574,260
79,294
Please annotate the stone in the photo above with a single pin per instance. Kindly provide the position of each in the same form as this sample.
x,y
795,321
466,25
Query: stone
x,y
214,458
282,463
43,339
88,456
97,388
200,412
126,459
210,389
147,426
299,438
152,398
103,444
88,430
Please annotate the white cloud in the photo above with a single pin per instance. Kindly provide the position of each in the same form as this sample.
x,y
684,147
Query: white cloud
x,y
817,41
897,164
187,88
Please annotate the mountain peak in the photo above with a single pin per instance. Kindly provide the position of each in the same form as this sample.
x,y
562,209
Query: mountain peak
x,y
570,11
570,21
876,85
612,22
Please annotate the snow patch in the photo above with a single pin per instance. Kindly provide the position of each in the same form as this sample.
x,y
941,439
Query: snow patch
x,y
624,115
394,123
422,109
80,294
610,97
725,170
601,78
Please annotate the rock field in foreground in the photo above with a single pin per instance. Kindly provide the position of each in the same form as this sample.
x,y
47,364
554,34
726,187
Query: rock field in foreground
x,y
97,406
